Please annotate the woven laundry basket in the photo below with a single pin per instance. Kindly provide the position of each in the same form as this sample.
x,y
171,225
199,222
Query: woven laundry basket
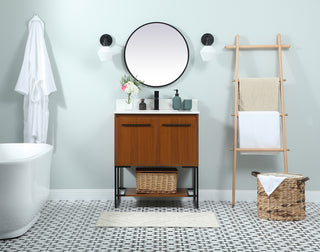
x,y
286,202
156,180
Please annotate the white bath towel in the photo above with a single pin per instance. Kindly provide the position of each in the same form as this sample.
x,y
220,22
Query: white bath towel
x,y
36,82
259,129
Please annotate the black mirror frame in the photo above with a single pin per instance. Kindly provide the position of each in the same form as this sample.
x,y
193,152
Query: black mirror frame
x,y
155,22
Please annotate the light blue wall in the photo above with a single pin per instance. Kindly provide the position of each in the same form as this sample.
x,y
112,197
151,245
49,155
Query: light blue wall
x,y
81,119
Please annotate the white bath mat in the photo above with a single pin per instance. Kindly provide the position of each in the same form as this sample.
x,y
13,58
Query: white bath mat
x,y
154,219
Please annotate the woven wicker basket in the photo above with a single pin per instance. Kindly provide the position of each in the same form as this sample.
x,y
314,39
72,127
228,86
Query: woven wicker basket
x,y
156,180
286,202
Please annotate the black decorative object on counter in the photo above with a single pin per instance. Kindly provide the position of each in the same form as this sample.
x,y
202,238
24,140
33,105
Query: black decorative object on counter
x,y
142,105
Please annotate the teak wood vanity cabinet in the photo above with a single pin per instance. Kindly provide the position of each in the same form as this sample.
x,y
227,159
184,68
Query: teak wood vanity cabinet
x,y
155,140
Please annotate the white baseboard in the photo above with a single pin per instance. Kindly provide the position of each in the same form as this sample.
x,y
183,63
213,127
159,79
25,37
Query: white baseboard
x,y
81,194
204,194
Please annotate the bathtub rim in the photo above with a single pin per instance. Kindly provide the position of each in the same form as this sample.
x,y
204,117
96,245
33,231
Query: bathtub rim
x,y
32,157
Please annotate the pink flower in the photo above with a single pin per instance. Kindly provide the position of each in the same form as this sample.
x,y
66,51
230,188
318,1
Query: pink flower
x,y
124,86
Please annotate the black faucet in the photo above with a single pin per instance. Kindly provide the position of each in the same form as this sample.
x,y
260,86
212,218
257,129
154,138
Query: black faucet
x,y
156,100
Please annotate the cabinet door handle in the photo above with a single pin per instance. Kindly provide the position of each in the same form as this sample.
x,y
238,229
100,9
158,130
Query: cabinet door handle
x,y
176,125
136,124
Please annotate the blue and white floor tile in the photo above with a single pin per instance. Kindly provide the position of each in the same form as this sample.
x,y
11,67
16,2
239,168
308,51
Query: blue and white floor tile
x,y
70,226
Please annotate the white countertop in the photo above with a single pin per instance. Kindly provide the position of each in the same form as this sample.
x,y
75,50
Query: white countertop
x,y
165,107
156,112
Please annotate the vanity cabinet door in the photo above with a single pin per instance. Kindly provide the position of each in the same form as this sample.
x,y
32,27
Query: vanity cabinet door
x,y
177,140
135,140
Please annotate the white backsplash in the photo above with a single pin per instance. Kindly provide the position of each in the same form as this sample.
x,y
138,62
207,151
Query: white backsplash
x,y
164,105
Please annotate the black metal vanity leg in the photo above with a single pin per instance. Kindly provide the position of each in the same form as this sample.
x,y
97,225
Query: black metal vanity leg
x,y
194,183
197,186
118,183
115,187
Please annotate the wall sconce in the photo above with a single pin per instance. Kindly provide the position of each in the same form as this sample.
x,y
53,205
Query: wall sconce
x,y
105,52
207,50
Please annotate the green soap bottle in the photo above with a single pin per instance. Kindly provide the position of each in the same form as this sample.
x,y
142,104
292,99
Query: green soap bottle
x,y
176,101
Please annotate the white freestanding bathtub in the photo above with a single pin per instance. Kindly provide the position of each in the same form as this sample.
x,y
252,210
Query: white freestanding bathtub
x,y
24,185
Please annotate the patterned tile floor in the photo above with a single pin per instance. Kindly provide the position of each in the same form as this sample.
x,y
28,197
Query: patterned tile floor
x,y
70,226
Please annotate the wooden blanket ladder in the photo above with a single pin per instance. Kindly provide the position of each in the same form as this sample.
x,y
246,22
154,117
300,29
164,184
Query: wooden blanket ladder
x,y
236,149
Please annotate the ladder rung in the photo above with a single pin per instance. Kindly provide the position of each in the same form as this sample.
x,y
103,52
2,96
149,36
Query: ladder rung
x,y
260,149
257,46
280,115
279,81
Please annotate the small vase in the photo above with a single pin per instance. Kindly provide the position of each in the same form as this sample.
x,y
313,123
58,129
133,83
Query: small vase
x,y
123,105
127,106
129,98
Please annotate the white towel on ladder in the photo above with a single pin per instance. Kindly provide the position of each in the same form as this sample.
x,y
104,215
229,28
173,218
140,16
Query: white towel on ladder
x,y
259,129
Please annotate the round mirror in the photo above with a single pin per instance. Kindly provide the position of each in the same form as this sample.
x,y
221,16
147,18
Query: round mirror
x,y
156,54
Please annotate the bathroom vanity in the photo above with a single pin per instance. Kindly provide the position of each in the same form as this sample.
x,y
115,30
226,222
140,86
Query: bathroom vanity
x,y
158,54
156,138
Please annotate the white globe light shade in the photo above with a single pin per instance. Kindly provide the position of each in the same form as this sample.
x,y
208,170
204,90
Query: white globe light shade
x,y
207,53
105,53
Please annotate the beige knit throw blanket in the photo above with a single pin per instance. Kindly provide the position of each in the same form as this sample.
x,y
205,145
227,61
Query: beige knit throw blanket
x,y
259,94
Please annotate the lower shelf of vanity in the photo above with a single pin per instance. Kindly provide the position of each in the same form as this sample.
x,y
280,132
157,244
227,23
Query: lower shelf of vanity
x,y
132,192
120,191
